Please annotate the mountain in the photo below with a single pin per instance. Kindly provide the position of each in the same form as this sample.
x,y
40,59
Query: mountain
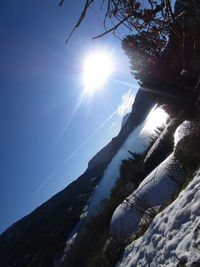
x,y
125,118
39,238
44,231
137,204
142,104
137,142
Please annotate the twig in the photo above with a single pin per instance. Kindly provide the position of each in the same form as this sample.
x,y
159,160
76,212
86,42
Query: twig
x,y
87,4
111,29
107,12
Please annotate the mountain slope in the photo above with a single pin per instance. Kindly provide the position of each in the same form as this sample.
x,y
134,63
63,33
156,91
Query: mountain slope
x,y
142,104
41,235
137,141
39,238
173,238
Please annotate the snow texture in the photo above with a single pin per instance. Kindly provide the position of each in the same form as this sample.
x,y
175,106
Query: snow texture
x,y
182,131
155,190
173,237
137,142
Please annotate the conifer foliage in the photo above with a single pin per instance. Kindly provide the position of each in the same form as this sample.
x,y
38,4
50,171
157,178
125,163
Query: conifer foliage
x,y
166,60
163,45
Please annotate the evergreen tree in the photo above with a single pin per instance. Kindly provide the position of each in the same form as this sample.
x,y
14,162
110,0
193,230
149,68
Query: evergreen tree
x,y
163,47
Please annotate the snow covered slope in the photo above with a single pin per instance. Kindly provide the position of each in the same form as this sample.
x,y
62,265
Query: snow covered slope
x,y
47,228
182,131
155,190
137,142
174,235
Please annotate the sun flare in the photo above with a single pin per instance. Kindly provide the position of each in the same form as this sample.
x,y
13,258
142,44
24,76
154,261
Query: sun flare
x,y
97,68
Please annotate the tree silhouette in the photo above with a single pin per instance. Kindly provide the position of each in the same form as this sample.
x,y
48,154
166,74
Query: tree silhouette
x,y
168,62
163,45
149,16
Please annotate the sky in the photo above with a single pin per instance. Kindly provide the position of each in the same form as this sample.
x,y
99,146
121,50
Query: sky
x,y
49,128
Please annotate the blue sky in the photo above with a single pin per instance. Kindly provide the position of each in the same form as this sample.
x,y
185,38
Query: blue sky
x,y
47,133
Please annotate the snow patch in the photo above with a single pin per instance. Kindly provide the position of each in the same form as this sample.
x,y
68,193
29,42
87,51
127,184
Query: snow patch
x,y
173,236
84,212
155,190
182,131
137,142
68,246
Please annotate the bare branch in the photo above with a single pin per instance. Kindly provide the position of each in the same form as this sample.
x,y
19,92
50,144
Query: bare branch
x,y
131,14
112,29
87,4
106,16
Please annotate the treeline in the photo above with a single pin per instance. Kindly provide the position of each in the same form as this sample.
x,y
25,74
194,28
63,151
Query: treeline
x,y
93,246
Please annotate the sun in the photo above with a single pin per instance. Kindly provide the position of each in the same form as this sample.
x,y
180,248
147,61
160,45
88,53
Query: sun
x,y
97,68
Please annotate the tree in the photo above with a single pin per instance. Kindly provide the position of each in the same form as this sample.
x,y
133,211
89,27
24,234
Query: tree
x,y
144,50
163,45
150,16
170,66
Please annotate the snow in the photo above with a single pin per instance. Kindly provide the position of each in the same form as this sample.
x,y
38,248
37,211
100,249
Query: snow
x,y
84,212
68,246
173,236
137,142
182,131
155,190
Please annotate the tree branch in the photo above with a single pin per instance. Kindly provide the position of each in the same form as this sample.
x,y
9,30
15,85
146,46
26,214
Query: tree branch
x,y
112,29
87,4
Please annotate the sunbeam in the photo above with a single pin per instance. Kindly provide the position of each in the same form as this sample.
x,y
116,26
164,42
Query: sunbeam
x,y
134,86
90,136
76,108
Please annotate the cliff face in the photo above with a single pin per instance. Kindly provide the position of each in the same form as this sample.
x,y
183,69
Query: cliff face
x,y
40,237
